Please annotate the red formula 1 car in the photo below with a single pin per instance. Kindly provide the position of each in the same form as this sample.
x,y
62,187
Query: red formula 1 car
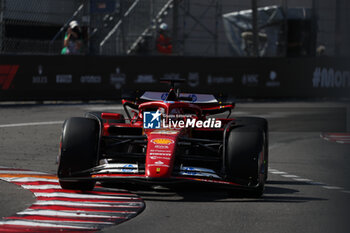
x,y
169,138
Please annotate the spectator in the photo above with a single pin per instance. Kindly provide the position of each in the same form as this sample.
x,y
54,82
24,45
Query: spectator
x,y
164,45
73,39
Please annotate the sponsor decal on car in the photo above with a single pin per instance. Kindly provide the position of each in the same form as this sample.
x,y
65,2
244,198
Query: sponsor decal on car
x,y
165,132
189,171
162,141
159,157
164,147
158,165
161,154
128,167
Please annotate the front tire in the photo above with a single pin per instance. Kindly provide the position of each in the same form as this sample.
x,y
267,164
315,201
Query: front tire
x,y
78,152
263,125
245,157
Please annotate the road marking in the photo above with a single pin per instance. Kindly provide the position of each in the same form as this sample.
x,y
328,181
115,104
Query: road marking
x,y
32,124
308,181
290,176
302,180
278,172
331,187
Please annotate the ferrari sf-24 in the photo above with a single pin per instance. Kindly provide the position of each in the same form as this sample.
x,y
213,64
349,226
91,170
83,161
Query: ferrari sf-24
x,y
165,138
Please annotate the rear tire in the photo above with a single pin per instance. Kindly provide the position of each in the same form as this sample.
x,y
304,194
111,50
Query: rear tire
x,y
245,146
78,152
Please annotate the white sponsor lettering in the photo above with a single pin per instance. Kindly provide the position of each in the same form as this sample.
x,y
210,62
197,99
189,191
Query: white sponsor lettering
x,y
160,151
161,146
158,165
193,79
219,80
118,79
90,79
209,123
171,76
165,132
162,154
64,78
330,78
145,78
250,79
159,157
273,80
39,80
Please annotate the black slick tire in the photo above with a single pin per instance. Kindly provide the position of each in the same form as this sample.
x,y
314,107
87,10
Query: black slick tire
x,y
245,157
78,152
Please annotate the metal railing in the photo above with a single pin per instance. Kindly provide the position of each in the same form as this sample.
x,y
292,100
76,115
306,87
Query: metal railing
x,y
130,27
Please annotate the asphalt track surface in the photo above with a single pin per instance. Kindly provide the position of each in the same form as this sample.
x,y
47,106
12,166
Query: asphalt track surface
x,y
308,188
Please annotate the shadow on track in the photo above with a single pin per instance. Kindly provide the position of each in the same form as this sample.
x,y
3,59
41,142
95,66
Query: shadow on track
x,y
200,193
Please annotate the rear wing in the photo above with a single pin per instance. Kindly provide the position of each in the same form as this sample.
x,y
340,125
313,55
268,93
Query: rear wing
x,y
207,102
185,97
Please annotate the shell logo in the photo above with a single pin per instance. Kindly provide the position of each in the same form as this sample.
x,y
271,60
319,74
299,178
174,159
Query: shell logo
x,y
162,141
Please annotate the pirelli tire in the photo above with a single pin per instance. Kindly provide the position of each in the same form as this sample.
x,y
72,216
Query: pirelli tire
x,y
262,124
78,152
245,156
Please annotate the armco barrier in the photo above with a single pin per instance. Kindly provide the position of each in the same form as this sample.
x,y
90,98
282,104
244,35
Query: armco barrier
x,y
96,77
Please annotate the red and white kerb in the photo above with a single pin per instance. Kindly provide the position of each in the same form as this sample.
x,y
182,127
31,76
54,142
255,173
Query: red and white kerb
x,y
343,138
59,210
